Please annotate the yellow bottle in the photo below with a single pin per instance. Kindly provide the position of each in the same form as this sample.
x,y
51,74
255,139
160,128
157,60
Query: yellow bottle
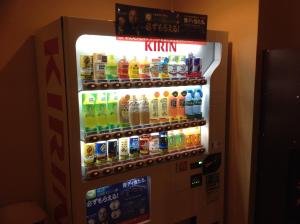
x,y
134,69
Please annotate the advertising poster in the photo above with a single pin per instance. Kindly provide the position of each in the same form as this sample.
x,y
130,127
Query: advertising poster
x,y
148,22
122,203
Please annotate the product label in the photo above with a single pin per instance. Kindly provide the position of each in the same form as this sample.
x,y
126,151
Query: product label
x,y
86,74
154,108
188,140
99,70
86,61
100,150
154,144
144,145
196,65
181,70
112,109
181,102
144,107
154,70
112,149
172,70
171,142
197,106
180,141
164,107
145,69
163,70
189,107
124,115
173,103
163,142
134,146
134,71
100,109
111,71
123,70
123,146
134,106
89,153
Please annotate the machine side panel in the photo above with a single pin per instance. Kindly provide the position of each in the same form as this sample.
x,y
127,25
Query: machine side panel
x,y
51,76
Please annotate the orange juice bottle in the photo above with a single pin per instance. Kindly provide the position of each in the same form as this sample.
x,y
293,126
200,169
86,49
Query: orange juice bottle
x,y
180,105
194,137
172,108
187,138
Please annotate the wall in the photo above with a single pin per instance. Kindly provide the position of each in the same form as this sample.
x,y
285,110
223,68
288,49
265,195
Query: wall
x,y
279,23
240,19
21,153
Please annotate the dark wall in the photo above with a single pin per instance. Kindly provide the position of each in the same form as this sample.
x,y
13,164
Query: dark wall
x,y
279,23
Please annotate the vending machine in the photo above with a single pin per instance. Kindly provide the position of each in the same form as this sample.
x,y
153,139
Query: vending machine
x,y
133,128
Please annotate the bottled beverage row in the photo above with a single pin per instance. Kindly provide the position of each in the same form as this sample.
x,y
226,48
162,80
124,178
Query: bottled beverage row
x,y
134,147
106,67
106,110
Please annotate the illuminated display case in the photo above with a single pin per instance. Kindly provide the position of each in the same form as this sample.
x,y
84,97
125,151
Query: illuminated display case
x,y
131,119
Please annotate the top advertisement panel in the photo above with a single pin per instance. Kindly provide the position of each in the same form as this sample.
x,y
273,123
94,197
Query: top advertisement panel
x,y
137,21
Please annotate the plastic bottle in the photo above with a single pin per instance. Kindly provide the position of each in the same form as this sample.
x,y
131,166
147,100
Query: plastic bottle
x,y
179,139
111,68
195,136
187,138
112,110
154,68
197,111
134,113
181,105
173,106
171,141
124,111
133,69
101,111
123,69
88,112
154,113
144,110
181,67
144,69
189,102
172,67
163,68
163,107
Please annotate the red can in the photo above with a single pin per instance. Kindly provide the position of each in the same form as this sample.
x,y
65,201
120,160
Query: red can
x,y
144,144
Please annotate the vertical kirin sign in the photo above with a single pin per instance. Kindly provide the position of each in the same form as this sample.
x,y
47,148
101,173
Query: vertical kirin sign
x,y
54,120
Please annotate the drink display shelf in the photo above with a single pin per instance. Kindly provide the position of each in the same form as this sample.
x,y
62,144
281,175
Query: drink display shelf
x,y
103,170
90,138
128,84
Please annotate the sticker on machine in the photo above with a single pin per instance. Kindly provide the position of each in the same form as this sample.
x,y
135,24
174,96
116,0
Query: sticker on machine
x,y
125,203
212,187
